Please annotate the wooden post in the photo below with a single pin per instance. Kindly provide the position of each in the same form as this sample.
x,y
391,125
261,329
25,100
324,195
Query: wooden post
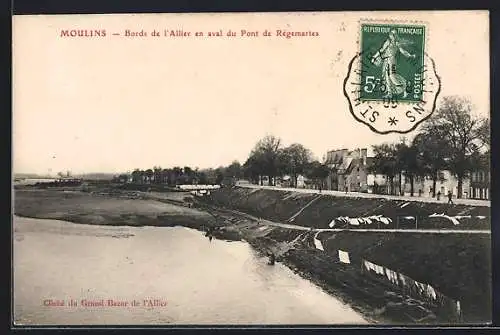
x,y
416,222
397,222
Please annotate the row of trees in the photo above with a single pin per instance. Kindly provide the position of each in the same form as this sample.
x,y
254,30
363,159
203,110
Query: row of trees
x,y
268,158
452,139
271,159
186,175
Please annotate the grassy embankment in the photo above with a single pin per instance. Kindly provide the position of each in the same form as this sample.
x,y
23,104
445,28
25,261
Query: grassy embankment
x,y
458,266
281,206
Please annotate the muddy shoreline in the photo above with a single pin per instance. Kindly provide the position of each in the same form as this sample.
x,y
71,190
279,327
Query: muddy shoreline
x,y
377,302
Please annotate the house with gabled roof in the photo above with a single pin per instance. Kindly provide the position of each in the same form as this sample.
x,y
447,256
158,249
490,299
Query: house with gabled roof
x,y
350,171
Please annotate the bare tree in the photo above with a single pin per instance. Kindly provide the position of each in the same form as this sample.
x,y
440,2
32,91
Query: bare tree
x,y
295,160
453,122
385,161
266,153
484,133
432,150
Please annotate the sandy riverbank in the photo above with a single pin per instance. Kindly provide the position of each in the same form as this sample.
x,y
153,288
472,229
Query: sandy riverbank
x,y
375,300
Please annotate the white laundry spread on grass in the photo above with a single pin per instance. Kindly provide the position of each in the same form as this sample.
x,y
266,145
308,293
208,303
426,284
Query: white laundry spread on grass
x,y
317,243
392,276
397,278
374,267
402,279
362,220
385,220
344,257
451,218
455,219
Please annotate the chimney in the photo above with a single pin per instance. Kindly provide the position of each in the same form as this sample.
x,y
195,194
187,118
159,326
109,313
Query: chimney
x,y
364,154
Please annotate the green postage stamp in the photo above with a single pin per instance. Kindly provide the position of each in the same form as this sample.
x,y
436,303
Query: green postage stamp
x,y
392,84
397,53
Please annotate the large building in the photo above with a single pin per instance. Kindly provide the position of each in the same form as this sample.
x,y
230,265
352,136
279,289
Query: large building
x,y
350,171
446,182
480,185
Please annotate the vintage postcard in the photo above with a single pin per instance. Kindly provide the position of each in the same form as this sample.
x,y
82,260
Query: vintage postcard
x,y
318,168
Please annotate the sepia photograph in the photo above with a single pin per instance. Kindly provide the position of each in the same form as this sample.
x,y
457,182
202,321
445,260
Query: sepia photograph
x,y
293,168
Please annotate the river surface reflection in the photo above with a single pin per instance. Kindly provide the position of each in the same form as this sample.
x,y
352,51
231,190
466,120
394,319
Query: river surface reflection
x,y
155,275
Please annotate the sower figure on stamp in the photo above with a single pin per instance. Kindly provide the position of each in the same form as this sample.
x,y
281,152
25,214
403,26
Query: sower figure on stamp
x,y
386,57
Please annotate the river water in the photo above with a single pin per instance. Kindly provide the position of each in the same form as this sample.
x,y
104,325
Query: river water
x,y
155,275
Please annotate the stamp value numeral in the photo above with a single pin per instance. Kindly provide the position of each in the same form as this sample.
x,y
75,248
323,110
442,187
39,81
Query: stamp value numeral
x,y
373,84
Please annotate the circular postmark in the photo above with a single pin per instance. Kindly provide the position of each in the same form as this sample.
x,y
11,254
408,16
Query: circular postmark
x,y
392,84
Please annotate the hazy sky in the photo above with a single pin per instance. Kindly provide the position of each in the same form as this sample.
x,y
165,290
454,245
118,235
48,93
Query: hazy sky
x,y
117,103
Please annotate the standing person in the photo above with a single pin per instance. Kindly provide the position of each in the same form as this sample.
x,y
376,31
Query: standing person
x,y
450,198
439,195
272,258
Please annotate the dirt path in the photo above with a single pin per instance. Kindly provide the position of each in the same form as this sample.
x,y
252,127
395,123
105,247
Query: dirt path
x,y
413,231
472,202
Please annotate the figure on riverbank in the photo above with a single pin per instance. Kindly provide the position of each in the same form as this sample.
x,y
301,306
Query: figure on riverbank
x,y
450,197
272,258
209,233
